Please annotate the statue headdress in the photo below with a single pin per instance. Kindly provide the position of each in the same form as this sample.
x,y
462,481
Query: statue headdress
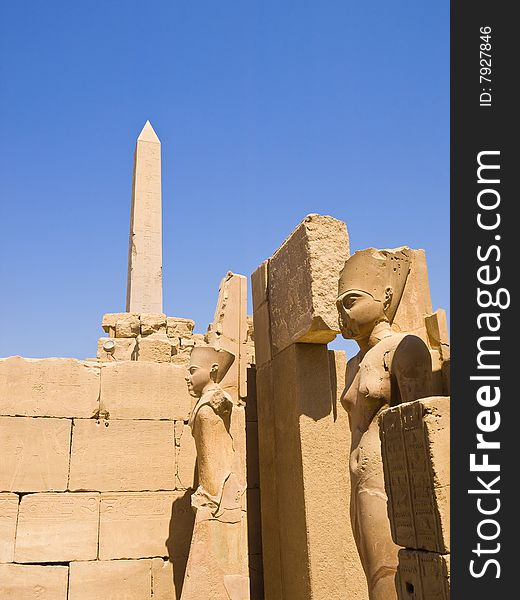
x,y
373,270
205,356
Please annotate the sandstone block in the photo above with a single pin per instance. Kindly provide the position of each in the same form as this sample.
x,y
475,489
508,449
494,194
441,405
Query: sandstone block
x,y
116,349
57,527
177,327
167,578
8,517
49,387
24,441
415,442
127,325
185,458
152,323
144,390
423,575
108,323
303,282
137,525
33,582
122,455
259,283
154,349
111,580
262,324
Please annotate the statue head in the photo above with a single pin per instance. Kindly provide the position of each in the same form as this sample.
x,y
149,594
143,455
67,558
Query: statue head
x,y
207,366
370,288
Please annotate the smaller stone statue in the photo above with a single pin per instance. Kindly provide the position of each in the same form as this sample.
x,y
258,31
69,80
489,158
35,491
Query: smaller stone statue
x,y
213,571
389,368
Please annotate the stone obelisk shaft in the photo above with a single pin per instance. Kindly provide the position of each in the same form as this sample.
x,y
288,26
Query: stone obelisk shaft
x,y
144,287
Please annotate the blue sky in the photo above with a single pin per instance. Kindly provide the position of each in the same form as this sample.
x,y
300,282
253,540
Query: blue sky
x,y
267,111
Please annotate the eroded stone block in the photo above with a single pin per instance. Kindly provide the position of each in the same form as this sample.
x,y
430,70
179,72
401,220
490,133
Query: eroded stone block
x,y
139,525
116,349
186,458
262,325
8,517
144,390
164,580
259,283
415,442
35,454
49,387
153,323
57,527
33,582
104,580
122,455
127,325
423,575
303,282
177,327
154,349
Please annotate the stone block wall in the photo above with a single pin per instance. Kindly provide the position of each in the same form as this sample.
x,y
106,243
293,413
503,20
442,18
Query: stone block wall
x,y
415,443
96,469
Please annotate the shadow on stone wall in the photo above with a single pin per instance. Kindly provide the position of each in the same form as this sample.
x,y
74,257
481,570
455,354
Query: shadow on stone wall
x,y
179,538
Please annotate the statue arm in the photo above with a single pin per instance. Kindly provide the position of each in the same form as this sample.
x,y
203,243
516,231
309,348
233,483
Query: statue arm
x,y
412,368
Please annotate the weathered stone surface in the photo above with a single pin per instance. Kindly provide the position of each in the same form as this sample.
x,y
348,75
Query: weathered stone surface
x,y
8,517
113,579
303,279
144,289
153,323
57,527
154,349
415,440
262,324
165,582
127,325
185,458
116,349
24,441
177,327
122,455
49,387
423,575
144,390
33,582
137,525
259,283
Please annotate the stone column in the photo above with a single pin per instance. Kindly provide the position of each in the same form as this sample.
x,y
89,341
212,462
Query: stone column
x,y
144,287
304,438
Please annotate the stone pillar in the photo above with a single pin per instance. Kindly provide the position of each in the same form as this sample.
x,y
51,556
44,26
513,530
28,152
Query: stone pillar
x,y
144,286
304,439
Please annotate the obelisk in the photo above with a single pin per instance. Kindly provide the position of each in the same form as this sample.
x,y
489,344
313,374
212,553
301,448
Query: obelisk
x,y
144,287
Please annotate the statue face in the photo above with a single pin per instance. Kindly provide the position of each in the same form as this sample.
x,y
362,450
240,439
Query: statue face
x,y
197,379
358,314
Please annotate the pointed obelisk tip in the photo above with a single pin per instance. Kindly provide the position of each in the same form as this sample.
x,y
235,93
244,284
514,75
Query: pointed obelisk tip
x,y
148,134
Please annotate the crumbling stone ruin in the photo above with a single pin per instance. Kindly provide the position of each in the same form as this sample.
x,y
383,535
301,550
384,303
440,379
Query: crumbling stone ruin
x,y
247,463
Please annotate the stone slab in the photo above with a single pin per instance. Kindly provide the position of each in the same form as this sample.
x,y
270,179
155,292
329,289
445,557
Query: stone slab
x,y
122,455
143,390
111,580
262,334
185,458
423,575
152,323
8,517
138,525
116,349
166,582
127,325
259,283
303,282
415,441
155,349
177,327
49,387
35,454
33,582
57,527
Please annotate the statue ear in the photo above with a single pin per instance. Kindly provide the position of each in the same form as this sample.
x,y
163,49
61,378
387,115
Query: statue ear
x,y
387,298
214,371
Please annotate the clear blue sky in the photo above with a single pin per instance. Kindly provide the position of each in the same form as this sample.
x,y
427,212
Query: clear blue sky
x,y
267,111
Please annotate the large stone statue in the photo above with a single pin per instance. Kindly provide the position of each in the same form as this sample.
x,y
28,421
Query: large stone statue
x,y
214,570
389,368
